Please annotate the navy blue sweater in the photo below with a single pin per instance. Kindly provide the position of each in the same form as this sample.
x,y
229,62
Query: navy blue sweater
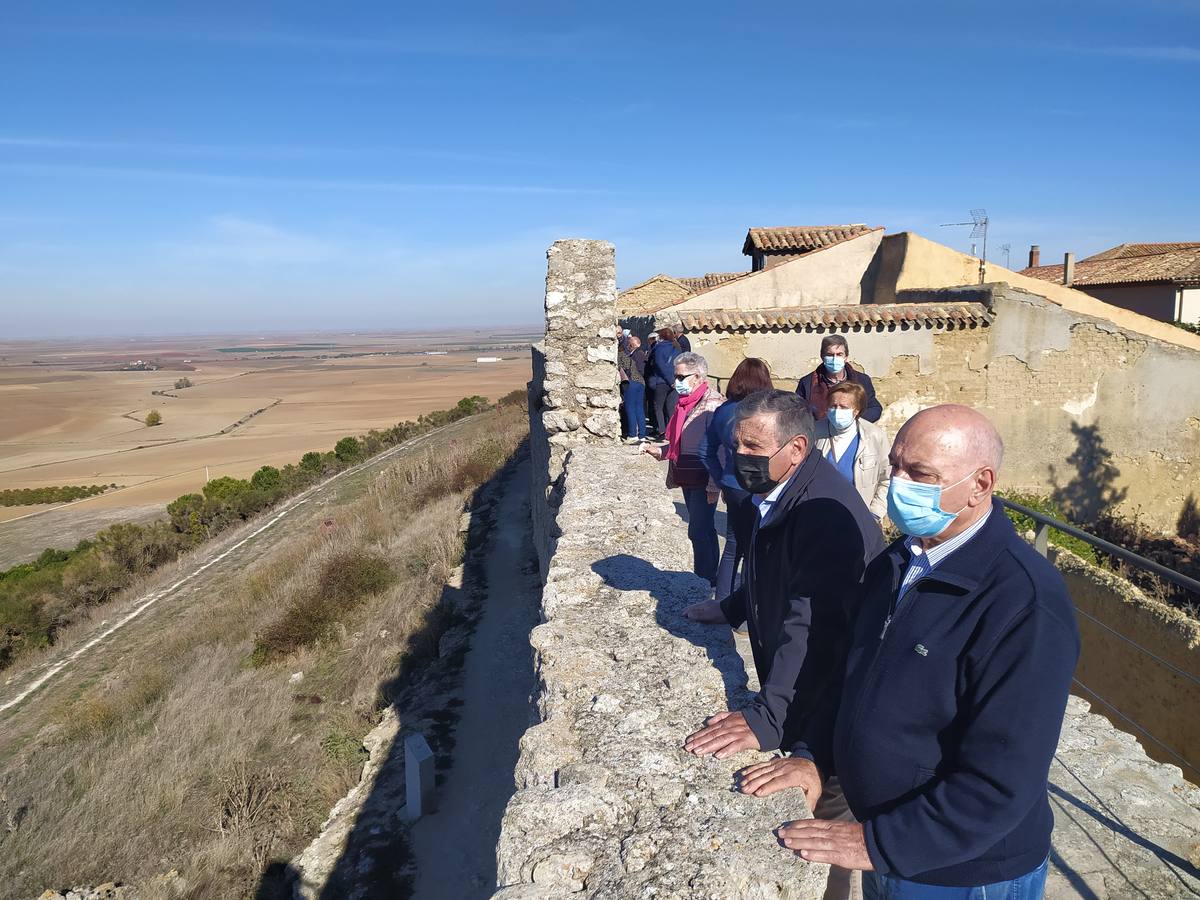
x,y
947,722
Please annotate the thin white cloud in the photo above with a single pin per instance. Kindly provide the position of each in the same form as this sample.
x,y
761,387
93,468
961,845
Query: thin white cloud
x,y
21,221
250,151
301,184
446,42
1181,54
236,239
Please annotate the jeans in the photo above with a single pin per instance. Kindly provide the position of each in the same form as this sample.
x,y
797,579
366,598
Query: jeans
x,y
665,399
726,581
702,532
888,887
635,409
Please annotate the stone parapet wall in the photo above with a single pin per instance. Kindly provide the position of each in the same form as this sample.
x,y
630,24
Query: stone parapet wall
x,y
608,804
1139,655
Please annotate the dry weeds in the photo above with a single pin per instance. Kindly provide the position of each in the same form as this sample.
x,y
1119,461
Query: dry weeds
x,y
191,758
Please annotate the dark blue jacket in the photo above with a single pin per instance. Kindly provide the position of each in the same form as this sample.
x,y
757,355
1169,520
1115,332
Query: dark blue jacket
x,y
947,722
660,368
804,567
720,434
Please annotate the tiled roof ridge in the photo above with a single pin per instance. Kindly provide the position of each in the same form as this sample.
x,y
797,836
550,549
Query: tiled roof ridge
x,y
871,315
1179,266
1132,250
709,280
801,237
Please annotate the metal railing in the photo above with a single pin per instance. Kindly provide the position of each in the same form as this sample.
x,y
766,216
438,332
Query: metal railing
x,y
1041,542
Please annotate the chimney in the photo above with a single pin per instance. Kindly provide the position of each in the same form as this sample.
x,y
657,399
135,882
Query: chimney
x,y
1068,268
1035,256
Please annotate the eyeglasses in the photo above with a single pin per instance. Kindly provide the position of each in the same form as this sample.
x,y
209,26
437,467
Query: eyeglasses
x,y
685,374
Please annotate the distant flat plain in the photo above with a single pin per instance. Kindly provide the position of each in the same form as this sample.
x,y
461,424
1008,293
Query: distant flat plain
x,y
71,415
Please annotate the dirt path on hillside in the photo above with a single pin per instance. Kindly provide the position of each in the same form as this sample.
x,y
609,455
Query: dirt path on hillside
x,y
455,847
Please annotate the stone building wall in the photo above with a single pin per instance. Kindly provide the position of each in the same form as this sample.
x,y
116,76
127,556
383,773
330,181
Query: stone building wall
x,y
573,397
1096,415
651,296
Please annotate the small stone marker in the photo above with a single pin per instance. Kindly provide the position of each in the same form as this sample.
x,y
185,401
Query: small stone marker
x,y
419,776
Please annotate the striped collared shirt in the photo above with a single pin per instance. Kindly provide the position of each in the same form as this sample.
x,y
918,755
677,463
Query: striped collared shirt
x,y
921,561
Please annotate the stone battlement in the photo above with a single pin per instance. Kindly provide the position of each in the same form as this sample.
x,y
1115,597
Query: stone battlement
x,y
608,803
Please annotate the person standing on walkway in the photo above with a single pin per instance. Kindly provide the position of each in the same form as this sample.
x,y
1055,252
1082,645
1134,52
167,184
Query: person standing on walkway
x,y
631,363
808,538
858,449
685,469
835,369
949,713
660,379
718,448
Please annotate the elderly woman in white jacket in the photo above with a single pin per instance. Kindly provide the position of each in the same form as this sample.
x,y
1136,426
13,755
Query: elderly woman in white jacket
x,y
855,447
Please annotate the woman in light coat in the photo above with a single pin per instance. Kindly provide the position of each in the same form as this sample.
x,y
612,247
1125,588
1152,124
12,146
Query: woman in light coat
x,y
855,447
686,470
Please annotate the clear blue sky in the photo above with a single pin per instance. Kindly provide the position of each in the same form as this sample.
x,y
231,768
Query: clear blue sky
x,y
217,166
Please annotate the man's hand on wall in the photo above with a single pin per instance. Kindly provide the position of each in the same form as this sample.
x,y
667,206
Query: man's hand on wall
x,y
763,779
821,841
722,735
707,611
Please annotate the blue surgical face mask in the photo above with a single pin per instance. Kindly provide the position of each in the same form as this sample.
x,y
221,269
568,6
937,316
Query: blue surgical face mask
x,y
834,364
682,387
916,508
841,419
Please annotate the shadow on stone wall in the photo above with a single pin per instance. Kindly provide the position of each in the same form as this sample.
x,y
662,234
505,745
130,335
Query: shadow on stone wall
x,y
1092,489
1111,821
672,591
1188,526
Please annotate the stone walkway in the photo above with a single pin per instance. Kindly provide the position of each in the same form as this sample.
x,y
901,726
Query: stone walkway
x,y
454,848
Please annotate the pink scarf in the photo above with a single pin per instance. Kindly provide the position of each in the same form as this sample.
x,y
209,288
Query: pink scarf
x,y
675,426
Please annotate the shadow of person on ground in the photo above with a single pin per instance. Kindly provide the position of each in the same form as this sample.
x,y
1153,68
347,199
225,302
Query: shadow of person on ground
x,y
1107,818
719,520
674,591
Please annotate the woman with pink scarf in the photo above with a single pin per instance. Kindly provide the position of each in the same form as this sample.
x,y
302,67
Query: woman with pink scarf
x,y
685,467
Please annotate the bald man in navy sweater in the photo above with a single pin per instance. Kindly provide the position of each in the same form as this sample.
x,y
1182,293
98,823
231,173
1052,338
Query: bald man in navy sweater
x,y
956,682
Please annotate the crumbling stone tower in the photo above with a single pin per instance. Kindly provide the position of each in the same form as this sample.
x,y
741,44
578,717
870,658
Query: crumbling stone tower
x,y
573,397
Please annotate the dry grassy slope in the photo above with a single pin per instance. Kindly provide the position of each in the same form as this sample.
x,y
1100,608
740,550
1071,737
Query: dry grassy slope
x,y
164,748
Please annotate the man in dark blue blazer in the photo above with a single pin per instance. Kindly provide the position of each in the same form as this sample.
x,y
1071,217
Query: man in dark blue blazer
x,y
956,682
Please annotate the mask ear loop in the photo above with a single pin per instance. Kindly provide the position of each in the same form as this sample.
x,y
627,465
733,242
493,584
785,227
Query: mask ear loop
x,y
970,474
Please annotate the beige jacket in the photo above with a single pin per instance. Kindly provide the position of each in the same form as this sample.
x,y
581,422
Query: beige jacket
x,y
871,468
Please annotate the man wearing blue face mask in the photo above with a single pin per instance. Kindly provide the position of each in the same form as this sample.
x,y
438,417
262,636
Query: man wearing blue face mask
x,y
834,369
955,686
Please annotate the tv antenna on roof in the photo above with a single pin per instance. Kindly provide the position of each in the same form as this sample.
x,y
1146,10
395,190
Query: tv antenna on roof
x,y
1006,249
979,223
